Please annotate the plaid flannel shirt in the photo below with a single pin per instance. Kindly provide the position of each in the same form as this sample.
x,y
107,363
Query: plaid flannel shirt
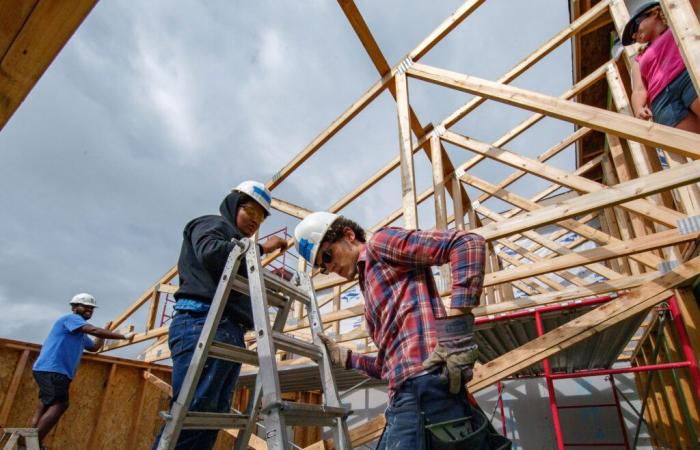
x,y
401,299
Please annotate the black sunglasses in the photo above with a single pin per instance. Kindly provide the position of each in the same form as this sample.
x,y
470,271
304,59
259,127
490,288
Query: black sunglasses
x,y
326,257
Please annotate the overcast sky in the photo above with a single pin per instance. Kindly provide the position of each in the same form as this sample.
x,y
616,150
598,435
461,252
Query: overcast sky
x,y
154,110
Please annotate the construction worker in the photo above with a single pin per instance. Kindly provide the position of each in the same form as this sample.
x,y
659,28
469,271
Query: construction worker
x,y
424,352
60,356
206,245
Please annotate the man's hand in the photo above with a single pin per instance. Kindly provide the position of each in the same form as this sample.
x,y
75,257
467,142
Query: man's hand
x,y
339,354
456,350
273,243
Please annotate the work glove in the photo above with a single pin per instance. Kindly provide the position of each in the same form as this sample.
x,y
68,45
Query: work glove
x,y
456,350
129,336
339,355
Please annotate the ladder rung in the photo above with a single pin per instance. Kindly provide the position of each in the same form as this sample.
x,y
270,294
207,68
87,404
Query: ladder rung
x,y
296,346
196,420
275,283
308,414
232,353
240,284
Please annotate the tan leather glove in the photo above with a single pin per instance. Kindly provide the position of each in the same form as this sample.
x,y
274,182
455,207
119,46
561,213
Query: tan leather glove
x,y
339,355
456,350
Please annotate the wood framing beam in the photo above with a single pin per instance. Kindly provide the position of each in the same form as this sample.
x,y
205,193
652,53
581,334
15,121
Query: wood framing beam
x,y
380,63
169,275
609,196
408,183
656,135
644,207
575,226
32,34
12,389
564,35
638,301
640,244
290,208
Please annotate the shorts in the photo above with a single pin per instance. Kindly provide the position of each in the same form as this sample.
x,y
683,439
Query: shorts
x,y
673,103
53,387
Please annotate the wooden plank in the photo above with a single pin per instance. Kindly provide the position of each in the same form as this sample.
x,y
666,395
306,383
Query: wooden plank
x,y
408,183
12,389
158,383
139,337
553,246
43,34
644,243
290,208
102,408
13,15
365,35
658,213
143,298
656,135
563,36
582,229
138,411
601,318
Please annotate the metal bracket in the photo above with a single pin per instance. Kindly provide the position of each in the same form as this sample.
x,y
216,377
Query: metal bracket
x,y
667,266
689,225
438,131
404,66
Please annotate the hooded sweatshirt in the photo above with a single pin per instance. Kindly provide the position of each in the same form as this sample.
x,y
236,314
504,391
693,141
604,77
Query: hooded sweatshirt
x,y
206,244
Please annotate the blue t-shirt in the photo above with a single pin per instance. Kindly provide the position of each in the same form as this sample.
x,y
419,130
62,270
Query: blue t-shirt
x,y
64,346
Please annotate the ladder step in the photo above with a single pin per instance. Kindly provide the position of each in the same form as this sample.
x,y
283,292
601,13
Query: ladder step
x,y
196,420
274,298
232,353
275,283
297,346
308,414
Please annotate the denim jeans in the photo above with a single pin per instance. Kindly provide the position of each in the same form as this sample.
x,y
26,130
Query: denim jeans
x,y
426,400
218,379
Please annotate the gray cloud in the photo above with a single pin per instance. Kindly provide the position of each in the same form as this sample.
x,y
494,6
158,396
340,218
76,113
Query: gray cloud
x,y
154,110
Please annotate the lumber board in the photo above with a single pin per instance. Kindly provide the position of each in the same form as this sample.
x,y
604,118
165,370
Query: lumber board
x,y
408,182
652,134
34,46
638,301
644,207
641,244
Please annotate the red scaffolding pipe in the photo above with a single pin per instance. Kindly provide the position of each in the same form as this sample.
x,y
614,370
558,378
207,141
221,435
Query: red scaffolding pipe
x,y
620,417
685,345
500,404
550,388
595,373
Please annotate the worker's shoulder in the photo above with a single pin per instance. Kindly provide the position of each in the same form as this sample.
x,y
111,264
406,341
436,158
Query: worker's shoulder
x,y
210,220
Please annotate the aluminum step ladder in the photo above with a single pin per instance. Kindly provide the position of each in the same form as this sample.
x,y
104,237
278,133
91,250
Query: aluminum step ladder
x,y
30,435
266,290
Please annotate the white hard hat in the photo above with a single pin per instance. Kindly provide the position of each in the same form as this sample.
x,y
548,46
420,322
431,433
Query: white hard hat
x,y
84,299
309,233
258,192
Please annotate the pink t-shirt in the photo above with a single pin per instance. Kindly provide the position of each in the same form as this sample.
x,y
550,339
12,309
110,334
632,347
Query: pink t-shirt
x,y
660,63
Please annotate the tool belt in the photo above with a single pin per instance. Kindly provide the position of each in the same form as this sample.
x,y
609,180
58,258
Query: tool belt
x,y
451,422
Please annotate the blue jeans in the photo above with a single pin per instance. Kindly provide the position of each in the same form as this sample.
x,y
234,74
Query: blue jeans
x,y
218,379
673,103
425,400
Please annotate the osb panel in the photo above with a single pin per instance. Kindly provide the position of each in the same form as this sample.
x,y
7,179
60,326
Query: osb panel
x,y
150,422
122,395
9,358
27,397
86,391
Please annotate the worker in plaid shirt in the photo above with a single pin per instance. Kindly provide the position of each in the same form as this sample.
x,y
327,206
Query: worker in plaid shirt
x,y
424,352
